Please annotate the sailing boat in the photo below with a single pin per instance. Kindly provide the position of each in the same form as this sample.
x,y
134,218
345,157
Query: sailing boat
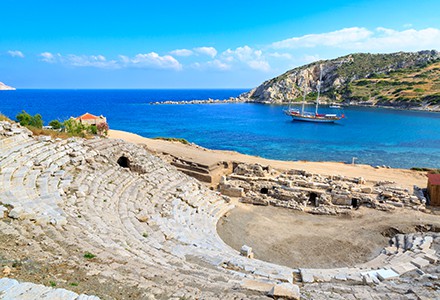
x,y
313,117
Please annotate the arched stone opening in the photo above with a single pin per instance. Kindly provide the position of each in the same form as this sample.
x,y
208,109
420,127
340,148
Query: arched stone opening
x,y
313,199
264,191
355,202
124,162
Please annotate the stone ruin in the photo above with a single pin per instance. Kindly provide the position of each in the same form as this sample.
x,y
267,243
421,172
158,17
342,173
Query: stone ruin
x,y
314,193
153,228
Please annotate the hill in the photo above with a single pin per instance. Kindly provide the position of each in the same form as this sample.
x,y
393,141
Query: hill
x,y
4,87
403,79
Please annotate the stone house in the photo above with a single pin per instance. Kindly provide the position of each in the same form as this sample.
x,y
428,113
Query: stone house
x,y
90,119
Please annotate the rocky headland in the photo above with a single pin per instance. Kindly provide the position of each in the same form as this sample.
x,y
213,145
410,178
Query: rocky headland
x,y
408,80
4,87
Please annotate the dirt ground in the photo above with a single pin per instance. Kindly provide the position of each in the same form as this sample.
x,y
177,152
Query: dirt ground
x,y
297,239
402,177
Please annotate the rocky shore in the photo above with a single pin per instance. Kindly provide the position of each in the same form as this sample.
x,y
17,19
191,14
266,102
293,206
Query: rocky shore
x,y
4,87
208,101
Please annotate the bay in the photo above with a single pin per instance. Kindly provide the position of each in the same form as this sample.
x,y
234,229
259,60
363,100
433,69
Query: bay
x,y
375,136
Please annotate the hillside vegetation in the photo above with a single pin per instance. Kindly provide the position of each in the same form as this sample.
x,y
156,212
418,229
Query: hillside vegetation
x,y
403,79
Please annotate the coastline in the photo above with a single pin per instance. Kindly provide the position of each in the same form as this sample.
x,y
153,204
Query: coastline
x,y
403,177
238,100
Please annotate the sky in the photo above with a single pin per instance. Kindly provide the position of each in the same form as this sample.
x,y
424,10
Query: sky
x,y
197,44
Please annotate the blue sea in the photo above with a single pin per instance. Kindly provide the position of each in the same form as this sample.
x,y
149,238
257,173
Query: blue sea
x,y
375,136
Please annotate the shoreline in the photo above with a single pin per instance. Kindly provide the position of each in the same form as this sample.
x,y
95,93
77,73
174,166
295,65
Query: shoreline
x,y
194,153
238,100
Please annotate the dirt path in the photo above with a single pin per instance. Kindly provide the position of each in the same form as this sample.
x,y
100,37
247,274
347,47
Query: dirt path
x,y
298,239
404,178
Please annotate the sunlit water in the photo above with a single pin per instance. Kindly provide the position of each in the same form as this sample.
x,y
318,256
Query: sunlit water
x,y
375,136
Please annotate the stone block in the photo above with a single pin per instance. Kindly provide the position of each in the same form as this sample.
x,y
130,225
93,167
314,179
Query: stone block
x,y
420,262
3,211
246,251
384,274
426,243
431,258
231,191
285,290
16,213
403,268
367,190
307,277
341,276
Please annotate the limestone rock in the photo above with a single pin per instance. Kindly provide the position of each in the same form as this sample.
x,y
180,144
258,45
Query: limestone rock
x,y
285,290
246,251
16,213
6,271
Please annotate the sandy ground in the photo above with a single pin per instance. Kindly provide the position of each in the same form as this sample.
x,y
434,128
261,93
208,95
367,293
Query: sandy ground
x,y
297,239
404,178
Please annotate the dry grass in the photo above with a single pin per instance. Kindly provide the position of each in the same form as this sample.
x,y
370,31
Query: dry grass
x,y
56,134
4,118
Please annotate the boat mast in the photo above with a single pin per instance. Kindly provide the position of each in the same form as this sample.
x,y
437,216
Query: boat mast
x,y
304,96
319,89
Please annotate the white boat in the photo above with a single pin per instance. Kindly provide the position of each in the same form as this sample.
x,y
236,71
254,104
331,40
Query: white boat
x,y
309,116
337,106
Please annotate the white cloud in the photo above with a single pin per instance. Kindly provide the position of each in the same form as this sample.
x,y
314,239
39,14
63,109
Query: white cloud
x,y
148,60
280,55
49,57
252,58
151,60
213,64
334,38
362,39
385,39
98,61
16,53
210,51
182,52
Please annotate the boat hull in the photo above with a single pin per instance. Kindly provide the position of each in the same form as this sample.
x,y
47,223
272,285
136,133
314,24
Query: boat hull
x,y
315,120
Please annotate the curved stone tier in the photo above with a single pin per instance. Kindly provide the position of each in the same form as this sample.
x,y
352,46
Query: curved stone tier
x,y
148,225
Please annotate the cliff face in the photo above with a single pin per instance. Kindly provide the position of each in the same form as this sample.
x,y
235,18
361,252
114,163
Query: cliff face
x,y
4,87
348,79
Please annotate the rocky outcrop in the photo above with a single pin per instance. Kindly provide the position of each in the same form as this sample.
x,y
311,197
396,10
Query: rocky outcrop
x,y
337,74
4,87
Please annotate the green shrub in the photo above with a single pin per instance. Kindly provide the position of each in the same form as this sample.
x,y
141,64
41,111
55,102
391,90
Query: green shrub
x,y
74,128
55,124
26,119
92,129
89,255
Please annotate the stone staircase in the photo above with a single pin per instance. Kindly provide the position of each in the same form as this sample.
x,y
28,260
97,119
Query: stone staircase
x,y
146,222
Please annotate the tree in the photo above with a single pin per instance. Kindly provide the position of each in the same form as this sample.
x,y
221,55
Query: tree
x,y
36,121
73,127
55,124
26,119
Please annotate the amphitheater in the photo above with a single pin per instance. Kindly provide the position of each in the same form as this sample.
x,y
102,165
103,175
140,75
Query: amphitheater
x,y
103,218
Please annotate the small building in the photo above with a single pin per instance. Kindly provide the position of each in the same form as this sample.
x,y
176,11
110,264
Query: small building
x,y
434,189
90,119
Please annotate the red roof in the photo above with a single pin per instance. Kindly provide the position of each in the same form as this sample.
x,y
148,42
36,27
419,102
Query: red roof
x,y
87,116
434,179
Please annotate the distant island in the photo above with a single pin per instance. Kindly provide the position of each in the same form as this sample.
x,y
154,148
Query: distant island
x,y
407,80
4,87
